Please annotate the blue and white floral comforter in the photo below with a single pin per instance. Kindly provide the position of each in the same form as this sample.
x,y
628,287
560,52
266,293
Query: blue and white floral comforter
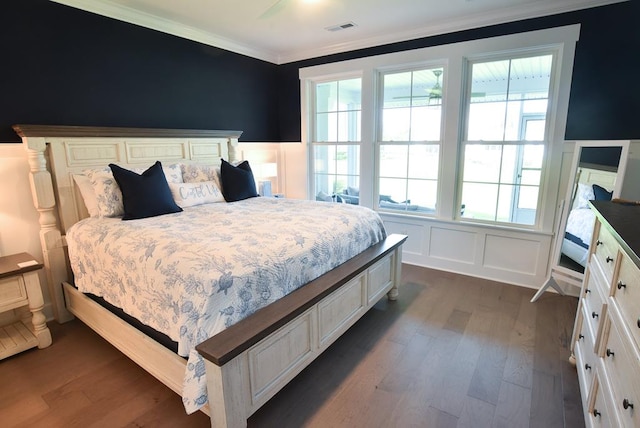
x,y
191,274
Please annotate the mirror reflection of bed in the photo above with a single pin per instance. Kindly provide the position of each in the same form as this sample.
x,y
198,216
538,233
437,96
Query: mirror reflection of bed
x,y
597,172
594,181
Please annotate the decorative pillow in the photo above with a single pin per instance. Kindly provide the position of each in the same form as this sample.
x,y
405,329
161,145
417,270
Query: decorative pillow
x,y
144,195
106,191
190,194
88,195
237,181
584,195
601,194
108,194
197,173
352,191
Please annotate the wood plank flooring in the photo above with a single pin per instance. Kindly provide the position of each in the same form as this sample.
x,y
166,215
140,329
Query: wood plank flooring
x,y
453,351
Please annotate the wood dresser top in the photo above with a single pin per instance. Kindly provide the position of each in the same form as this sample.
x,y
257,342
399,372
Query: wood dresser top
x,y
623,221
9,264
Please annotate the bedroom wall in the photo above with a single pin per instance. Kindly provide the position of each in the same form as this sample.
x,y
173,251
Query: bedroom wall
x,y
65,66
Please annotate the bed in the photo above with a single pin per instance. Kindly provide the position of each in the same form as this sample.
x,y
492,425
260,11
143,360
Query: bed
x,y
246,360
592,183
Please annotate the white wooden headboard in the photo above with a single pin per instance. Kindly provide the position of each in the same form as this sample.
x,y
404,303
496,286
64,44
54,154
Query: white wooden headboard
x,y
55,153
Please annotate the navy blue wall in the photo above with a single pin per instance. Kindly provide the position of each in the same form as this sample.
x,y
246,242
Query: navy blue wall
x,y
64,66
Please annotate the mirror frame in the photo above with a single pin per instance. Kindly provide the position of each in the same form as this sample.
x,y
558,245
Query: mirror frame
x,y
561,273
566,274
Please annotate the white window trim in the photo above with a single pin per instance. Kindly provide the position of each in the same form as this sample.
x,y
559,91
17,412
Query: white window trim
x,y
454,57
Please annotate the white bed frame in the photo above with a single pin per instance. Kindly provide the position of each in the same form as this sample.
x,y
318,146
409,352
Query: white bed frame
x,y
252,360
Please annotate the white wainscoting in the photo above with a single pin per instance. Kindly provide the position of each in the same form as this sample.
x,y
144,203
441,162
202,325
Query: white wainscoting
x,y
500,254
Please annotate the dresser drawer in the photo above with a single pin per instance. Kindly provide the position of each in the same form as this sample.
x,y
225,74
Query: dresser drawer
x,y
586,358
593,302
601,412
626,294
621,366
605,251
12,293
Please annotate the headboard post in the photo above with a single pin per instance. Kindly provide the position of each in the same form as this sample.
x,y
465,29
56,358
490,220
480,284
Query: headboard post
x,y
51,240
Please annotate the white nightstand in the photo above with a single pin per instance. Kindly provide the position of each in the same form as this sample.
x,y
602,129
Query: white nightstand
x,y
20,286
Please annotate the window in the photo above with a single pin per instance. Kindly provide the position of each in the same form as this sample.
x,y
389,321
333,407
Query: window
x,y
505,141
469,131
336,140
409,150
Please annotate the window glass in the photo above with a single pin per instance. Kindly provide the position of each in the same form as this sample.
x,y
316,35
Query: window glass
x,y
336,140
410,138
506,133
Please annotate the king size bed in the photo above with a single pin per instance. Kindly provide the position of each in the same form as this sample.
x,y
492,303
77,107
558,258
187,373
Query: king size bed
x,y
223,302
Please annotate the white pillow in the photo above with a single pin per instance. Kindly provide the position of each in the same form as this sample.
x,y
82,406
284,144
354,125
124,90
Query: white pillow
x,y
88,195
190,194
584,195
108,194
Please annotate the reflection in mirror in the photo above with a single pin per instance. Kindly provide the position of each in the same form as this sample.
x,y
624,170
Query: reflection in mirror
x,y
596,173
595,179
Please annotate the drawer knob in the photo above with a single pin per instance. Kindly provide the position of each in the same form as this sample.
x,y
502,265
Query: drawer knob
x,y
610,353
586,290
587,367
594,315
598,243
596,413
621,285
581,336
609,259
626,404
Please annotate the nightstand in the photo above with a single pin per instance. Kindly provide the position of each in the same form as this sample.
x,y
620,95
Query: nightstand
x,y
19,287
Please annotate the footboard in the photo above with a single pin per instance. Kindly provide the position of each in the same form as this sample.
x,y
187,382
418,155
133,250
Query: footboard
x,y
251,361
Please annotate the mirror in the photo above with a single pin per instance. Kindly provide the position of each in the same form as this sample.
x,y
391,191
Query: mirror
x,y
597,171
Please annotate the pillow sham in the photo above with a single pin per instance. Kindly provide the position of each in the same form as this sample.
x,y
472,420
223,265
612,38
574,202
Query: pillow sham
x,y
144,195
197,173
237,181
191,194
584,195
601,194
88,195
108,194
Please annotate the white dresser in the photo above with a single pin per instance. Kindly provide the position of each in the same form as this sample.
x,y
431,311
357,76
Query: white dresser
x,y
606,336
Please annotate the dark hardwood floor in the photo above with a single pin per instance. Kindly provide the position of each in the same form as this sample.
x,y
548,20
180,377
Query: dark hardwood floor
x,y
453,351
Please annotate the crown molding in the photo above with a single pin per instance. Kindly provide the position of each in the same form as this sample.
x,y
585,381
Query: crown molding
x,y
154,22
504,15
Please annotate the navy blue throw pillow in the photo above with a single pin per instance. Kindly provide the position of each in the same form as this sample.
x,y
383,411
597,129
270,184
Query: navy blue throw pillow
x,y
144,195
601,194
237,181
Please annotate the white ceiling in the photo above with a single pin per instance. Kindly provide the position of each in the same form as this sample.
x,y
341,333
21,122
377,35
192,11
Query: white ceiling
x,y
281,31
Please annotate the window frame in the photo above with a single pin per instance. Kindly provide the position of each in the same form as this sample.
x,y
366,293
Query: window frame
x,y
312,85
454,57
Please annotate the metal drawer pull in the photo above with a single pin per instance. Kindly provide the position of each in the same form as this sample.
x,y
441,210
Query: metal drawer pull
x,y
587,290
609,259
598,243
581,336
621,285
596,413
610,353
587,367
594,315
626,404
638,322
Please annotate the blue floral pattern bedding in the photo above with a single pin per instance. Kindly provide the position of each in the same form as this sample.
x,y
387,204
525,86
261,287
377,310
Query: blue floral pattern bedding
x,y
191,274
